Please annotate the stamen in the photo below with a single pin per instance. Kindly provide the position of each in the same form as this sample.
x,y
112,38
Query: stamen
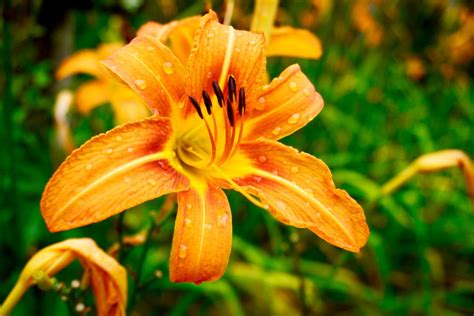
x,y
230,112
207,102
196,106
232,88
218,92
241,101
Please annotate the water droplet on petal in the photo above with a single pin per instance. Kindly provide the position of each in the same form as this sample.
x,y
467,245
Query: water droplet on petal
x,y
281,205
260,104
168,67
276,131
140,83
88,167
151,182
257,179
210,35
294,118
188,205
294,169
126,180
266,87
150,48
209,75
293,86
252,42
130,149
108,151
188,222
306,92
266,206
207,226
262,158
118,138
222,220
183,251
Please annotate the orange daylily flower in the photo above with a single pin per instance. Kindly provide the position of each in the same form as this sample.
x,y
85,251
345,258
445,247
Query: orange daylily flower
x,y
284,41
126,105
216,128
107,277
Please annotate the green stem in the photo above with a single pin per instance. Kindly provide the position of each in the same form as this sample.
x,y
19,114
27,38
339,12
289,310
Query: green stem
x,y
264,16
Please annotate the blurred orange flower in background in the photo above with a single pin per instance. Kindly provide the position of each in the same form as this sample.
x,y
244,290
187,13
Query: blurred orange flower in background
x,y
106,276
125,104
215,127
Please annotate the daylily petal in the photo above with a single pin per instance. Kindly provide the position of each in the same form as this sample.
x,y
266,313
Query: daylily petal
x,y
220,51
151,70
110,173
108,278
202,236
287,104
180,33
84,61
128,107
90,95
299,191
291,42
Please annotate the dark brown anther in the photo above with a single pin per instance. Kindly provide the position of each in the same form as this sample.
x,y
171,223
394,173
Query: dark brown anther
x,y
196,106
207,102
232,88
230,112
241,101
218,92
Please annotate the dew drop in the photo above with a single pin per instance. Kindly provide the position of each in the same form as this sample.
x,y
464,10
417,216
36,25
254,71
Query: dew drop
x,y
126,180
252,42
183,251
88,167
266,206
108,151
257,179
276,131
130,149
140,83
281,205
150,48
306,92
222,220
151,182
294,169
188,222
207,226
293,86
266,87
260,104
294,118
210,35
168,67
209,75
188,205
118,138
262,158
309,190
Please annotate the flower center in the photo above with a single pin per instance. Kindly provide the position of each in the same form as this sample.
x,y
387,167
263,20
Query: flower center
x,y
220,130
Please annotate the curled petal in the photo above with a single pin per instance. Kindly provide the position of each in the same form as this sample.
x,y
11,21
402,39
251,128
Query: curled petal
x,y
110,173
108,278
298,190
127,106
151,70
202,236
287,104
220,51
291,42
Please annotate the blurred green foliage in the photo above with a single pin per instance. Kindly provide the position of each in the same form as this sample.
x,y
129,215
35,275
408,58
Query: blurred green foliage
x,y
394,89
